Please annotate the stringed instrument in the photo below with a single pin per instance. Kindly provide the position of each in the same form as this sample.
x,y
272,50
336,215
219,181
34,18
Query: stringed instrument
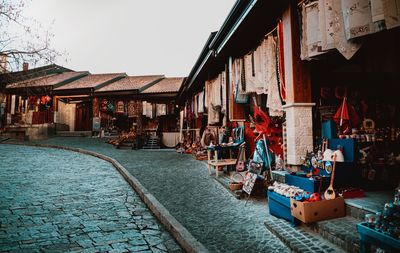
x,y
330,192
240,164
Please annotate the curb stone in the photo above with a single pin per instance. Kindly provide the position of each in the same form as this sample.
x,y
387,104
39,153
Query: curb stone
x,y
178,231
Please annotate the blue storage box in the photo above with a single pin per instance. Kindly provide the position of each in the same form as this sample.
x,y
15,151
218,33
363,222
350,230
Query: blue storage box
x,y
307,184
369,236
345,174
329,129
279,206
349,147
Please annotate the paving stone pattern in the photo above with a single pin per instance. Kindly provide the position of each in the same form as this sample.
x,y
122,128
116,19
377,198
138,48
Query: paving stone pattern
x,y
299,239
341,231
61,201
211,214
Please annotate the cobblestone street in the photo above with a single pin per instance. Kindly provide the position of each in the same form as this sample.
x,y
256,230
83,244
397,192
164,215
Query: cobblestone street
x,y
210,213
61,201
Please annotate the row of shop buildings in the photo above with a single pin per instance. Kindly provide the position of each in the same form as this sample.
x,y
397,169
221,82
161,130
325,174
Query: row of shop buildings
x,y
42,101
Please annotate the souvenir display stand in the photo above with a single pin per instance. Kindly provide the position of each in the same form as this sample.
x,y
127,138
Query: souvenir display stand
x,y
215,161
369,237
301,198
382,229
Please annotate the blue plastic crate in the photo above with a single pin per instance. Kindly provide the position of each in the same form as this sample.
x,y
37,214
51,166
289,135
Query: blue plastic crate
x,y
369,236
307,184
279,206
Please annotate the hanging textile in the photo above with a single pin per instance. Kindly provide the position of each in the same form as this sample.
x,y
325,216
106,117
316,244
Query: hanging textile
x,y
207,94
253,72
161,109
378,15
144,108
216,91
357,18
345,47
325,21
120,107
223,91
213,88
274,102
391,9
311,33
149,110
200,108
238,81
132,109
281,63
271,78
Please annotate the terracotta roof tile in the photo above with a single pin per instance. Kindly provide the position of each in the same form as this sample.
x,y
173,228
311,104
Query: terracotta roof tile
x,y
48,80
90,81
130,83
171,84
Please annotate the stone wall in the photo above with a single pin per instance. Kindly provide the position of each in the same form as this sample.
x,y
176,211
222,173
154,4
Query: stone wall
x,y
299,131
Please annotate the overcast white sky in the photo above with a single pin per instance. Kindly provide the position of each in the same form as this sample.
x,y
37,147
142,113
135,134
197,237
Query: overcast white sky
x,y
139,37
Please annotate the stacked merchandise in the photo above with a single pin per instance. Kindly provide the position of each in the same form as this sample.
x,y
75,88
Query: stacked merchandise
x,y
383,228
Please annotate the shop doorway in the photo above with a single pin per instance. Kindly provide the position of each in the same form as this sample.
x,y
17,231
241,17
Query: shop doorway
x,y
82,117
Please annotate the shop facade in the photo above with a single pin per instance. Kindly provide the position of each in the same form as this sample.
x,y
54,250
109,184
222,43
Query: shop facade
x,y
29,101
310,77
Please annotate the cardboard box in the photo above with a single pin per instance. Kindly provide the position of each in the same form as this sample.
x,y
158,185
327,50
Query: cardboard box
x,y
319,210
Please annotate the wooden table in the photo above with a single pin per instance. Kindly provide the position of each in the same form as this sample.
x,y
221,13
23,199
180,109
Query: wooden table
x,y
215,162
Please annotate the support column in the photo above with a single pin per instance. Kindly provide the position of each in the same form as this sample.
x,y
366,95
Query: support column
x,y
298,91
298,131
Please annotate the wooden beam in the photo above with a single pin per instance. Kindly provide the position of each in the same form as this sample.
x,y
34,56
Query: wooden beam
x,y
297,72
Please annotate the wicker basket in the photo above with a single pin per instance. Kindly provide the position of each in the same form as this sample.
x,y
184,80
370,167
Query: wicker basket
x,y
234,186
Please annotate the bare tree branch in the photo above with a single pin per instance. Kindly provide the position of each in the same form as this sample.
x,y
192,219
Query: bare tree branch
x,y
21,39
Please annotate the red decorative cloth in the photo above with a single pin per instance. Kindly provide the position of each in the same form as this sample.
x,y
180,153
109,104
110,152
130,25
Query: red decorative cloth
x,y
262,121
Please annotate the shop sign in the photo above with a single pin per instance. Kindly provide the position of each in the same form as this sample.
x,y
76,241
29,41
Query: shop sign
x,y
96,124
249,181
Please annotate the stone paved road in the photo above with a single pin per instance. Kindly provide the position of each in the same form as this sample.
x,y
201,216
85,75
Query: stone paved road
x,y
60,201
210,213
